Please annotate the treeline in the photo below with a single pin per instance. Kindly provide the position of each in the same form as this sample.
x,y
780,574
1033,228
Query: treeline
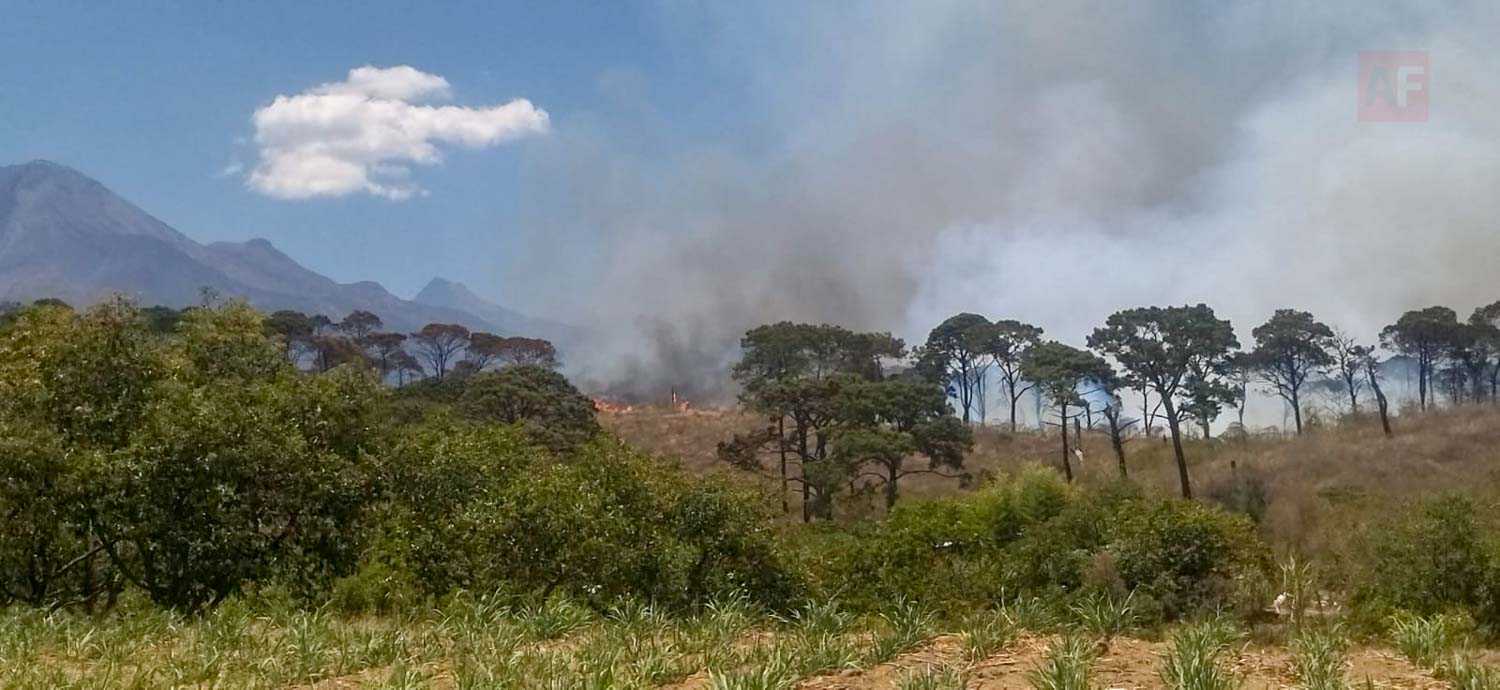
x,y
849,413
190,462
318,342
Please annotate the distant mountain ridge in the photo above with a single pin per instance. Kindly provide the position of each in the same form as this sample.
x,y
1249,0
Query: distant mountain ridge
x,y
450,294
65,235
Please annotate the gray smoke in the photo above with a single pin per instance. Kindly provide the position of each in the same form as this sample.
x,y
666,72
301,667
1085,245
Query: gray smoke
x,y
1048,161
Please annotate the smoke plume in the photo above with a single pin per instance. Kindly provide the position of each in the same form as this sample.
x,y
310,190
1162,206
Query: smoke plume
x,y
1048,161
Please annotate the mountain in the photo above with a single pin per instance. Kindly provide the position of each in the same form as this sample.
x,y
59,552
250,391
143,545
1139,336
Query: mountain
x,y
449,294
65,235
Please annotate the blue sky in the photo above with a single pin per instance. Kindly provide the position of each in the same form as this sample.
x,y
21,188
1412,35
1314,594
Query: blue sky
x,y
710,166
155,100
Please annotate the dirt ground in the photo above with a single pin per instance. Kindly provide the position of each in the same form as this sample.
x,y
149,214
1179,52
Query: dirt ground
x,y
1128,664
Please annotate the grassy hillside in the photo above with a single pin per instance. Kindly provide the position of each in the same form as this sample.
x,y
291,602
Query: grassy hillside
x,y
1311,484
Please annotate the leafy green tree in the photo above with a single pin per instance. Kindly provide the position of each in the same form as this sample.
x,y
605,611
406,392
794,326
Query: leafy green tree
x,y
72,389
1290,347
884,423
522,351
359,324
241,470
954,356
1423,335
439,344
295,330
1061,372
483,350
440,477
1008,343
1485,323
161,320
541,400
1469,353
793,374
1176,351
331,351
1205,394
617,524
407,367
480,508
385,351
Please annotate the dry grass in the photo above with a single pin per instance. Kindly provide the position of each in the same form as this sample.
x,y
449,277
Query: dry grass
x,y
1315,484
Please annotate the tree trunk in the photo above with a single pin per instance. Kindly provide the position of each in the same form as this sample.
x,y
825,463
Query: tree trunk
x,y
1117,442
1062,424
786,507
1175,427
802,453
1297,411
965,392
890,485
1422,367
1380,401
1015,400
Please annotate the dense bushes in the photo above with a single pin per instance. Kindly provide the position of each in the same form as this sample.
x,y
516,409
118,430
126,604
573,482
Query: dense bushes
x,y
477,508
1433,557
185,466
1034,535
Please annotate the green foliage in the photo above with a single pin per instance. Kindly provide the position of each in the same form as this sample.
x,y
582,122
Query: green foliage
x,y
1069,665
1426,640
1119,555
1320,658
985,633
609,523
1188,556
906,625
552,619
1432,557
1181,353
1102,615
1463,672
539,399
1062,370
833,413
955,358
1196,661
193,463
1290,347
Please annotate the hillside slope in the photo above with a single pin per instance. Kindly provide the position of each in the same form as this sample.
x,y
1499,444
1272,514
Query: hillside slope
x,y
65,235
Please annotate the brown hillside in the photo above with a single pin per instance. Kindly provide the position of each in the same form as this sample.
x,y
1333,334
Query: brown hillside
x,y
1343,472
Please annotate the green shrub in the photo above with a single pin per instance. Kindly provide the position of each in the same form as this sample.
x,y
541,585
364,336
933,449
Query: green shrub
x,y
1432,557
1196,661
1036,536
542,401
1426,640
1188,557
479,508
1069,665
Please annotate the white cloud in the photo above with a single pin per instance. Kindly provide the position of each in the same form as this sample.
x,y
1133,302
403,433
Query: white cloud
x,y
363,134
